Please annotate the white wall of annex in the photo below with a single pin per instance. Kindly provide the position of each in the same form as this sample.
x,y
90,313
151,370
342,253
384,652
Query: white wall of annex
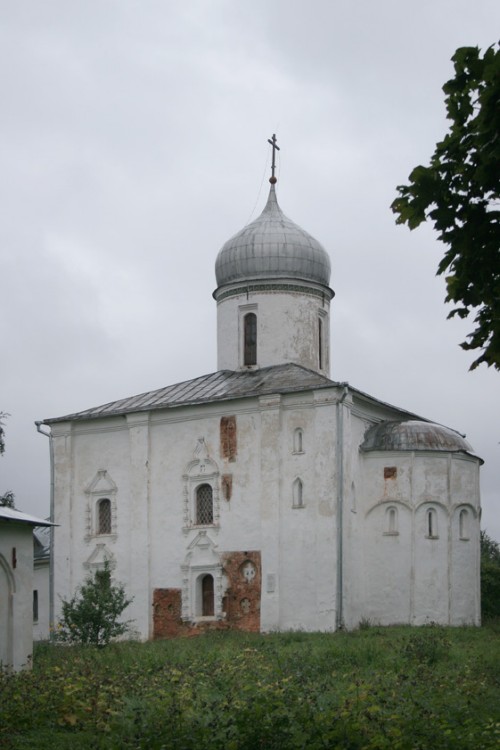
x,y
16,592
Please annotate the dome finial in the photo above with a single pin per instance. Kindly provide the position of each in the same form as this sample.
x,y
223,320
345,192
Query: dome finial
x,y
273,180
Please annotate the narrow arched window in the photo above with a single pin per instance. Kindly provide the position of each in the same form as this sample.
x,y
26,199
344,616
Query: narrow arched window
x,y
207,596
298,441
432,524
250,339
298,494
463,524
392,525
204,505
104,516
320,343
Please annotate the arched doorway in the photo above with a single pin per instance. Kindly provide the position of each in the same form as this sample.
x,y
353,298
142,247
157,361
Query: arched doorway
x,y
207,596
6,591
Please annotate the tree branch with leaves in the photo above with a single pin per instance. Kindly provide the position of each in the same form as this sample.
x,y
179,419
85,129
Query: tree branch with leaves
x,y
459,192
7,499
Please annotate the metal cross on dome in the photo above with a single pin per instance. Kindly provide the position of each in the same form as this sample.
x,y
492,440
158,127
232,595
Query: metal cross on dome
x,y
275,146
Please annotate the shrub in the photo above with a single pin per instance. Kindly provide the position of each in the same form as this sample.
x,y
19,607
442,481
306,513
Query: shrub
x,y
427,645
92,615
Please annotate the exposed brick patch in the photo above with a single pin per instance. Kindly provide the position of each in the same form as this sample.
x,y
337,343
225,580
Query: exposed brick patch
x,y
241,601
390,472
167,609
227,486
228,441
242,598
167,620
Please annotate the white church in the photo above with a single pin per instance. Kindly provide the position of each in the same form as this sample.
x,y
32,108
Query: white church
x,y
266,496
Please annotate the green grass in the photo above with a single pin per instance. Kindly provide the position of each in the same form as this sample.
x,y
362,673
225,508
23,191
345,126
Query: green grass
x,y
377,688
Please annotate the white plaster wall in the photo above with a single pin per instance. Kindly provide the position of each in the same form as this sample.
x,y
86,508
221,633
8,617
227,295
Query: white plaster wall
x,y
431,478
350,433
80,451
298,563
41,628
65,554
432,572
139,521
147,461
146,457
387,578
287,330
465,547
408,576
269,465
308,535
16,592
380,564
388,569
464,579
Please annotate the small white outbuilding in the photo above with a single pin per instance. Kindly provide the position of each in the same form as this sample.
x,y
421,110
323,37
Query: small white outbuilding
x,y
266,496
16,587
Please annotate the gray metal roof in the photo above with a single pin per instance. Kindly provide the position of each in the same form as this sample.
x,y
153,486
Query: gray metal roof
x,y
16,516
41,542
272,247
218,386
410,432
410,435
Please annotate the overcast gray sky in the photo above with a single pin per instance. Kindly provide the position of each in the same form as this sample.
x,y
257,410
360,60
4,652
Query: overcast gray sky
x,y
133,144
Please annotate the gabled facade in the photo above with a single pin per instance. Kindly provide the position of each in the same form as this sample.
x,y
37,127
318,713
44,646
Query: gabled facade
x,y
16,588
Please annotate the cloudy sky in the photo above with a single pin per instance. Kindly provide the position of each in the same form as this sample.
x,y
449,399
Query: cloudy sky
x,y
133,143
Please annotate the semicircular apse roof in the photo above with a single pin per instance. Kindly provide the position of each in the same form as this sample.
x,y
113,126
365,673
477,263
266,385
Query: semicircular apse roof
x,y
413,435
272,246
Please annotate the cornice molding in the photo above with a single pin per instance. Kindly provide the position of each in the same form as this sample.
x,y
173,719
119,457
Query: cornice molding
x,y
324,294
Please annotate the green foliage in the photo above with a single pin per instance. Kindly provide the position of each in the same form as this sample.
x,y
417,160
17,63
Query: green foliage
x,y
365,623
490,577
3,415
459,192
490,550
379,689
91,616
7,499
426,645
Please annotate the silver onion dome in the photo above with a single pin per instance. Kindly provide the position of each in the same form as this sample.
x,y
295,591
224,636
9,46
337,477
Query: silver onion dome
x,y
272,246
413,435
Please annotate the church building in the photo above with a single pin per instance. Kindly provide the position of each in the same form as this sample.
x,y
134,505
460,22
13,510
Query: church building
x,y
266,496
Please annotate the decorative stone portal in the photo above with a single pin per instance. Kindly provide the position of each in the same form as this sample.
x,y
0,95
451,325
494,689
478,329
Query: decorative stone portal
x,y
202,585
